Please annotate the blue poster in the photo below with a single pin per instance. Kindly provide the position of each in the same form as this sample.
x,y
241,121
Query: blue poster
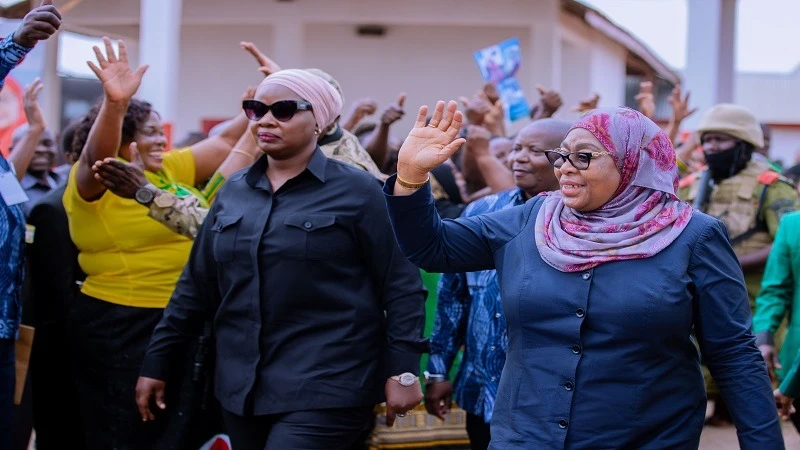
x,y
500,61
514,103
498,64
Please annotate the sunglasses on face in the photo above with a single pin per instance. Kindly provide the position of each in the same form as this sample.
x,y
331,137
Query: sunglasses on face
x,y
282,111
579,160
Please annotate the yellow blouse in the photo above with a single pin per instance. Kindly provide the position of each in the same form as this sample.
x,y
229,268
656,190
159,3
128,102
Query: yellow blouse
x,y
129,258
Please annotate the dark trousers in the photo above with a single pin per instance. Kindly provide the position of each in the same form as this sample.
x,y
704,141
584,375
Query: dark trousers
x,y
330,429
7,383
110,344
478,431
55,389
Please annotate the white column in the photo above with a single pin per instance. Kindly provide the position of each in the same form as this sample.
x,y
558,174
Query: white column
x,y
159,46
50,98
710,55
544,57
287,44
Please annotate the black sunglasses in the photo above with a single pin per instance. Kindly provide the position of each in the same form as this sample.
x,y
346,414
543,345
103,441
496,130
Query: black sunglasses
x,y
282,111
579,160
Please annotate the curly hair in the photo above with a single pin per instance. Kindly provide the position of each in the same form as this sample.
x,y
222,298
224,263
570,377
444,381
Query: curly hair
x,y
135,117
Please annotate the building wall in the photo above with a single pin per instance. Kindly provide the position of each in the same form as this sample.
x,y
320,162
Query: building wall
x,y
785,145
215,72
428,55
576,82
403,61
591,63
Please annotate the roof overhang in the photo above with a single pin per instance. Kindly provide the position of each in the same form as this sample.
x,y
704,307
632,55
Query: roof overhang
x,y
602,24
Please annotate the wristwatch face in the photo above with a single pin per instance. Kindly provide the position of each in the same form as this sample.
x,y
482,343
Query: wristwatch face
x,y
144,196
407,379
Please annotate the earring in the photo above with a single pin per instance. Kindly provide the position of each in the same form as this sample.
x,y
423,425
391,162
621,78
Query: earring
x,y
316,132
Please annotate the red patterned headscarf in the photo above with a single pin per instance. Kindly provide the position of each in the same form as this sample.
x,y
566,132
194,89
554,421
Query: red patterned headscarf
x,y
642,218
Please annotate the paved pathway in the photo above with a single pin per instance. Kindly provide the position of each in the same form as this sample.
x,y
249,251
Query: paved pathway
x,y
714,438
725,438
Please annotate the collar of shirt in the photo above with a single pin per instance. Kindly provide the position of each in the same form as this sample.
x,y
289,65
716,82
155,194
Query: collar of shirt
x,y
334,136
256,176
519,197
28,181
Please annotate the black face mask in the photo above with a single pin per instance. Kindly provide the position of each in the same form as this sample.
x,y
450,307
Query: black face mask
x,y
727,163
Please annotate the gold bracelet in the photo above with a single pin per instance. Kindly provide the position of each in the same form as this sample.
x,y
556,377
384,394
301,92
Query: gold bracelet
x,y
242,152
412,186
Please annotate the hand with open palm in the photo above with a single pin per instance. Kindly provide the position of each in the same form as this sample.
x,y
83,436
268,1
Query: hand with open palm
x,y
120,83
428,146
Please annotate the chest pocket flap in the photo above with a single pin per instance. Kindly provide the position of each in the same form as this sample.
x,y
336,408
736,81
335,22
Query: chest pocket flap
x,y
315,236
310,222
224,221
225,229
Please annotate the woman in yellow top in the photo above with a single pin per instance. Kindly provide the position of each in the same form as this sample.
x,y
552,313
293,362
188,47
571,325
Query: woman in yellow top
x,y
132,262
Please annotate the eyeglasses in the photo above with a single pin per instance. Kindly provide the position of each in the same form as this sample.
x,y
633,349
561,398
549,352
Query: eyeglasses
x,y
579,160
283,110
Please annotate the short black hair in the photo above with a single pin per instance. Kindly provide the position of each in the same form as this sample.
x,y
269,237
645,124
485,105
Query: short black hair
x,y
135,117
67,135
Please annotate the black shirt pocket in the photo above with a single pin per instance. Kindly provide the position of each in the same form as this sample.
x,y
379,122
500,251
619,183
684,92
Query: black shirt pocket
x,y
314,236
226,228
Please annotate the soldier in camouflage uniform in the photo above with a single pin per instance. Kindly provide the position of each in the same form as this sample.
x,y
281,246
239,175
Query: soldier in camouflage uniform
x,y
746,195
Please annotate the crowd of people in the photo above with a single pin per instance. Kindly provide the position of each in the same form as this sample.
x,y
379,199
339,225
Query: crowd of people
x,y
602,279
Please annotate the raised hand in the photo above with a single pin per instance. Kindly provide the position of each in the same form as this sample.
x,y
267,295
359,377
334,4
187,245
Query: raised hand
x,y
491,92
249,93
364,107
428,146
494,119
587,104
39,24
120,83
645,99
361,108
477,107
31,104
266,65
478,139
394,112
680,105
549,102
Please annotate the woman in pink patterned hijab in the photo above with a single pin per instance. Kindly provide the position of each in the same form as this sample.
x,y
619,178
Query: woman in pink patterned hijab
x,y
619,202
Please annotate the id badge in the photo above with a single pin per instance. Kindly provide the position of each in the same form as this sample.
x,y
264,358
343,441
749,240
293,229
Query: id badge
x,y
11,190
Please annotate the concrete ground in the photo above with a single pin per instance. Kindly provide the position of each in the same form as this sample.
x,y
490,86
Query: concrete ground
x,y
724,438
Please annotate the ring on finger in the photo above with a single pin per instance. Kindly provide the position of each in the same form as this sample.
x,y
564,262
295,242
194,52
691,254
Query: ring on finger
x,y
401,414
432,125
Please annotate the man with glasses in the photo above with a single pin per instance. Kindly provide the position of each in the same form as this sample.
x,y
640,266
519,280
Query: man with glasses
x,y
469,310
745,194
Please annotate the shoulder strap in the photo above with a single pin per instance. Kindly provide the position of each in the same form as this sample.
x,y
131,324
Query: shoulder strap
x,y
760,222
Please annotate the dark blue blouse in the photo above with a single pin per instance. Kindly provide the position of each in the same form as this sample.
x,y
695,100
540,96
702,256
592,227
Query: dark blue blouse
x,y
604,359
